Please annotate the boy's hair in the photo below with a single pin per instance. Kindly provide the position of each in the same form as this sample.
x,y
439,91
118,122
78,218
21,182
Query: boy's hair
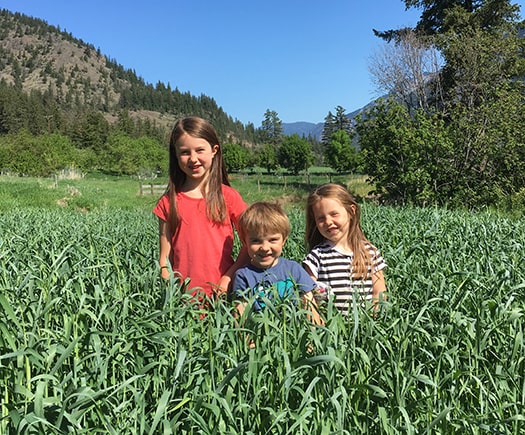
x,y
215,204
263,218
356,237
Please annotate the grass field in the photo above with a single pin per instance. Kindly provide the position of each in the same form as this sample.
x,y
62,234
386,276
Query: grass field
x,y
98,191
92,342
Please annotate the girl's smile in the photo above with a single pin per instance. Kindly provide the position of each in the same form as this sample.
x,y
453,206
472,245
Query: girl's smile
x,y
333,221
195,156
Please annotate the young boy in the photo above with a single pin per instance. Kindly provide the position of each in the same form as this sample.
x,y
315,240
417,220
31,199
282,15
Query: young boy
x,y
263,229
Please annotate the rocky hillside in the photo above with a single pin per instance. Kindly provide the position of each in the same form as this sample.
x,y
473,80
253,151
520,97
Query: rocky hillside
x,y
37,57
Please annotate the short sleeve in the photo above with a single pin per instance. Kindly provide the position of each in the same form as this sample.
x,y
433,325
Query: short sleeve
x,y
234,203
162,208
239,284
303,279
312,262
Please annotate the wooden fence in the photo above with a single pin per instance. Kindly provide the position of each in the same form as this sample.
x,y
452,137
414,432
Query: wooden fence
x,y
153,189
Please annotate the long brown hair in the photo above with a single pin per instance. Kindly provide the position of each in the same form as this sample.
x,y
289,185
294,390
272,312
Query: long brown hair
x,y
212,191
356,238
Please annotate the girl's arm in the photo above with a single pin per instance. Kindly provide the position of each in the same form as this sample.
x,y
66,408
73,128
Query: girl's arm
x,y
378,288
164,248
311,305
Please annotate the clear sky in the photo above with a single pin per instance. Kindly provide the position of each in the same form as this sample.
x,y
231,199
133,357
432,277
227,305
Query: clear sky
x,y
300,58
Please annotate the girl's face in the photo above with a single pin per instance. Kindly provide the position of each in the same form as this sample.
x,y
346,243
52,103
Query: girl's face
x,y
332,220
195,156
264,249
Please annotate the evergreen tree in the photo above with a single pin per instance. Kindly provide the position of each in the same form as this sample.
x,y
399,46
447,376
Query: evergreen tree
x,y
272,128
333,123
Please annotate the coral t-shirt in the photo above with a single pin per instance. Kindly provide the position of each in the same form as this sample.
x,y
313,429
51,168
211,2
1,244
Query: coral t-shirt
x,y
200,248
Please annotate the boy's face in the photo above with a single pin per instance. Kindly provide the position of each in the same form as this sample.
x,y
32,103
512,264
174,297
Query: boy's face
x,y
264,249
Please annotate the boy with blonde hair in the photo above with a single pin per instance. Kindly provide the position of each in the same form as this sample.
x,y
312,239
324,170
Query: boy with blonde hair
x,y
263,229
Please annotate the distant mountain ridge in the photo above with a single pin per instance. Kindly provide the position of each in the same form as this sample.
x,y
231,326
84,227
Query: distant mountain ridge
x,y
306,129
36,56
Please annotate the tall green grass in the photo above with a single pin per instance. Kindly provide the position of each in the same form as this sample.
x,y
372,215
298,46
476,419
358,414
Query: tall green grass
x,y
91,341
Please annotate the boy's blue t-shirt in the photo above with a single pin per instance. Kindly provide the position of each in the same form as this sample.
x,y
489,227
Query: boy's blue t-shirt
x,y
277,281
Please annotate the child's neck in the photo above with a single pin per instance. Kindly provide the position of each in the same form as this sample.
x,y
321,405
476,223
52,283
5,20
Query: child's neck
x,y
343,246
193,188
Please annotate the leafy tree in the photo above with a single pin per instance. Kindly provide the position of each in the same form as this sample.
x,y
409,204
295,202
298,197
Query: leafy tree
x,y
236,157
40,156
340,154
126,155
405,156
295,154
479,61
266,157
461,151
433,20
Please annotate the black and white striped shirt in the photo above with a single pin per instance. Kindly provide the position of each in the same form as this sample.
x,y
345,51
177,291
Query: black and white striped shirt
x,y
333,268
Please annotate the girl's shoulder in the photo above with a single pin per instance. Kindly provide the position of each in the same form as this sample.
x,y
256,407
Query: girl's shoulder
x,y
229,191
324,246
370,247
232,196
162,207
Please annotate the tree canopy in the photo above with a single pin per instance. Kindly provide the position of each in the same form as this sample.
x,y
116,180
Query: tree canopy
x,y
466,146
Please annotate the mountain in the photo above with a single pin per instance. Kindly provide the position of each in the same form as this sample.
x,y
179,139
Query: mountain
x,y
310,129
36,57
41,60
303,129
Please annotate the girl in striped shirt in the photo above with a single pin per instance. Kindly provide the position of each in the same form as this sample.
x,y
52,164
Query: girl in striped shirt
x,y
341,258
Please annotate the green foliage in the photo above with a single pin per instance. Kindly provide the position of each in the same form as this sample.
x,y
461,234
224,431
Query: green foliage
x,y
236,157
271,130
266,157
340,154
405,156
91,340
295,154
24,154
126,155
337,122
469,150
471,153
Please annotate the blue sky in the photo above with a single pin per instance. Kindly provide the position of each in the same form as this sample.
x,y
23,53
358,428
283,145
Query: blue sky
x,y
300,58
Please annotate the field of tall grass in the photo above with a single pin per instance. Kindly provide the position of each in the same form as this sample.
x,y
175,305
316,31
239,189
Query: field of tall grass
x,y
91,340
